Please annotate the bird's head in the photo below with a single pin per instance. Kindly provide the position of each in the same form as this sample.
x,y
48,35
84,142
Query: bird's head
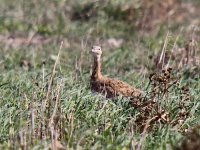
x,y
96,51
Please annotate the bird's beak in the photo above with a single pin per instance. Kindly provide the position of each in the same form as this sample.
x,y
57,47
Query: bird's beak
x,y
90,51
93,50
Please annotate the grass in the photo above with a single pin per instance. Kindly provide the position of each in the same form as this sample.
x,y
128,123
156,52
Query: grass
x,y
80,119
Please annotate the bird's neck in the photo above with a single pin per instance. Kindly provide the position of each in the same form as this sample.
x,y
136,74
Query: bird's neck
x,y
96,72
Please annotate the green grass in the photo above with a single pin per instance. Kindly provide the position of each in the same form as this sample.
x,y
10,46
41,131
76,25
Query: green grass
x,y
87,121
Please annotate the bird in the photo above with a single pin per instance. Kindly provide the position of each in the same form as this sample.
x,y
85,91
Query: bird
x,y
109,87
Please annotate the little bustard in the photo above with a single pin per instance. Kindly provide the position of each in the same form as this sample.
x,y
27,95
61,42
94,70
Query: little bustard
x,y
108,86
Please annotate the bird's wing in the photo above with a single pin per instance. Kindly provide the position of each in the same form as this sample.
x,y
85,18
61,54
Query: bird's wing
x,y
120,88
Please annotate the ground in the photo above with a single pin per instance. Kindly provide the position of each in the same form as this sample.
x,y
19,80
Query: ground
x,y
45,67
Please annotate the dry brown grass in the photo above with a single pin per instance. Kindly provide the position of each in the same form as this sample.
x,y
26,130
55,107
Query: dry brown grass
x,y
154,107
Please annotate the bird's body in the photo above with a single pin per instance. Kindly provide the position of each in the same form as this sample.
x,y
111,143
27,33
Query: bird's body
x,y
108,86
112,88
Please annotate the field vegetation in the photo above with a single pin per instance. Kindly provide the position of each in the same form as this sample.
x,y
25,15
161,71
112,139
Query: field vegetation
x,y
45,67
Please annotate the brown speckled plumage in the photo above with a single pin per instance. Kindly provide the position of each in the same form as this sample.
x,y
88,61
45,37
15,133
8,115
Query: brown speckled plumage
x,y
108,86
